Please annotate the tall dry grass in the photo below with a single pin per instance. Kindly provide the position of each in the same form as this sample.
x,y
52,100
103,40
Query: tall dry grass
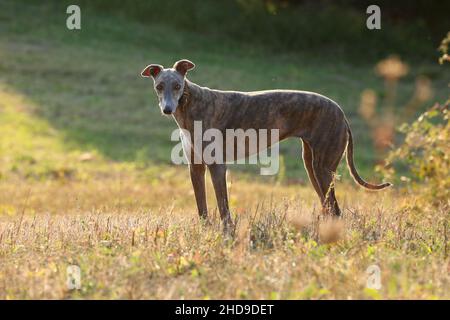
x,y
142,247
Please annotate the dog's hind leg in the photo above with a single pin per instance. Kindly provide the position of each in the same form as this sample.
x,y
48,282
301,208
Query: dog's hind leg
x,y
325,178
218,177
326,158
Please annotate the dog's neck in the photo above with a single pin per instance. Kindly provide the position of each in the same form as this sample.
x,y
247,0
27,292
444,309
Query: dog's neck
x,y
184,99
189,106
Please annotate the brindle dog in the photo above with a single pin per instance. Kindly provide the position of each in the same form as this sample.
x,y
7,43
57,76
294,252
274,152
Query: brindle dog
x,y
317,120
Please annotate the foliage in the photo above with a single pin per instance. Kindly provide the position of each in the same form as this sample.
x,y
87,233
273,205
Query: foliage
x,y
318,27
444,49
426,154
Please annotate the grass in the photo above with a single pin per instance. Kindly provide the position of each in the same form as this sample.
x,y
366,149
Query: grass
x,y
126,248
86,86
85,175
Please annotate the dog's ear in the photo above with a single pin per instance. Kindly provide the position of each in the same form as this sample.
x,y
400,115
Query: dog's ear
x,y
183,66
151,70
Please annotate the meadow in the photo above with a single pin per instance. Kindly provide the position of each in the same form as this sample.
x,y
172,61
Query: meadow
x,y
86,177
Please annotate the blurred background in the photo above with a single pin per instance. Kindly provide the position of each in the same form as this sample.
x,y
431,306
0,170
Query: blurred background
x,y
73,101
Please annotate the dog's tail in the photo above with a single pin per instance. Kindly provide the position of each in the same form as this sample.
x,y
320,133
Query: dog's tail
x,y
351,166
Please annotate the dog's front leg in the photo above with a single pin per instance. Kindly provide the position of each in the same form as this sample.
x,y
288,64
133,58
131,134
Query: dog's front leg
x,y
197,172
218,177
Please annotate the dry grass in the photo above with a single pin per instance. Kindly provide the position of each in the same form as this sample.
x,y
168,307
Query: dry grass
x,y
132,240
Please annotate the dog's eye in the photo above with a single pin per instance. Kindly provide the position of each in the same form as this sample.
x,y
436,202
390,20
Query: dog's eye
x,y
177,87
159,87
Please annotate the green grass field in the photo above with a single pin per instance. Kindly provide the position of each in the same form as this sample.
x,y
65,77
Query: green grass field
x,y
86,85
86,177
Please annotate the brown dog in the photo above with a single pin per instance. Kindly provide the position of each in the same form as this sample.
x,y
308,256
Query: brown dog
x,y
317,120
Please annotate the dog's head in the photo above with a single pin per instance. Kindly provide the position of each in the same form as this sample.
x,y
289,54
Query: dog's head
x,y
168,83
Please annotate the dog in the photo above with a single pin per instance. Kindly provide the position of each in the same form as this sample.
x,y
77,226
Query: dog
x,y
318,121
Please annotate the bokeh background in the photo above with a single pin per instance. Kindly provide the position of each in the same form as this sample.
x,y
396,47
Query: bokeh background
x,y
85,85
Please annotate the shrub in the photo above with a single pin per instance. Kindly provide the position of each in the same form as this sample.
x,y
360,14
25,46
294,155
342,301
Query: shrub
x,y
425,150
425,154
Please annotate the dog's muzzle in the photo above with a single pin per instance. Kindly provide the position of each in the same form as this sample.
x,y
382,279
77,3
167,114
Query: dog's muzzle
x,y
167,110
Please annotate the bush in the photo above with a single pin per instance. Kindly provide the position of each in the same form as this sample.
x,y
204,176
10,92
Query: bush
x,y
425,154
426,149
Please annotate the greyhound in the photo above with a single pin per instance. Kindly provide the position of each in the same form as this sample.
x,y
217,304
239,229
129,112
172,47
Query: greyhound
x,y
317,120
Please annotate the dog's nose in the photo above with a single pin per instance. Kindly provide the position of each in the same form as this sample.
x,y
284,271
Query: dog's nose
x,y
167,110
